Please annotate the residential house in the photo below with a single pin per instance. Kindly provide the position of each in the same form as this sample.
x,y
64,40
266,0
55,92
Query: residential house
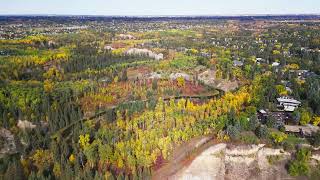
x,y
288,104
275,64
261,60
237,63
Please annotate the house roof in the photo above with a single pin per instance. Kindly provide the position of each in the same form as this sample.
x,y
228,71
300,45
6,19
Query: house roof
x,y
275,64
262,111
288,100
289,108
237,63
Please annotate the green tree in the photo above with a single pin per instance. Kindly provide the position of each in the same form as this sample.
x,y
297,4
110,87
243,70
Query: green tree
x,y
155,84
233,131
271,122
305,117
253,123
296,116
262,132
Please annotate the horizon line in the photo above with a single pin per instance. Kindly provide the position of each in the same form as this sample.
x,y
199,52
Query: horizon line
x,y
191,15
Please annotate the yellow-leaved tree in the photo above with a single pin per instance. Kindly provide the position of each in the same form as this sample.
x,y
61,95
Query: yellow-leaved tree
x,y
278,137
316,120
48,85
42,159
180,81
84,141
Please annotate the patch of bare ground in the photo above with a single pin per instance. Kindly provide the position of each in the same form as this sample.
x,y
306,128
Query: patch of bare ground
x,y
209,78
182,157
229,162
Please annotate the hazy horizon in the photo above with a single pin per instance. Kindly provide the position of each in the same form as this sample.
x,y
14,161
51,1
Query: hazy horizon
x,y
160,8
190,15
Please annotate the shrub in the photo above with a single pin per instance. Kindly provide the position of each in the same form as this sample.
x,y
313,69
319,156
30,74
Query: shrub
x,y
281,90
278,137
297,168
155,84
202,61
251,110
282,128
287,146
305,117
233,132
300,165
249,138
169,92
149,94
316,139
274,159
316,120
253,123
296,116
262,132
2,142
315,172
244,123
271,122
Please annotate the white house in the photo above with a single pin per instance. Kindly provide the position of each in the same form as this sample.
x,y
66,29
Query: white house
x,y
288,104
275,64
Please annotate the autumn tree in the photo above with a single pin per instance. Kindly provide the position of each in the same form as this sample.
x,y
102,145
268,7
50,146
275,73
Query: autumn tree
x,y
180,81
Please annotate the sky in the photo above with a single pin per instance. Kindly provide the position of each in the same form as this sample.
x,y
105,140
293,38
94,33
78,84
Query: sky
x,y
159,7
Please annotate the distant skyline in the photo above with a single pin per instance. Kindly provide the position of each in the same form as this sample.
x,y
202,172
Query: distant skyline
x,y
159,7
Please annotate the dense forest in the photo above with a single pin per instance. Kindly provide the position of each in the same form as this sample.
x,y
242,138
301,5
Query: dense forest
x,y
82,106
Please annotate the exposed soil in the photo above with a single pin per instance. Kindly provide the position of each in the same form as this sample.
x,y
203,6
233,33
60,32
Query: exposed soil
x,y
138,72
182,157
214,160
208,77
